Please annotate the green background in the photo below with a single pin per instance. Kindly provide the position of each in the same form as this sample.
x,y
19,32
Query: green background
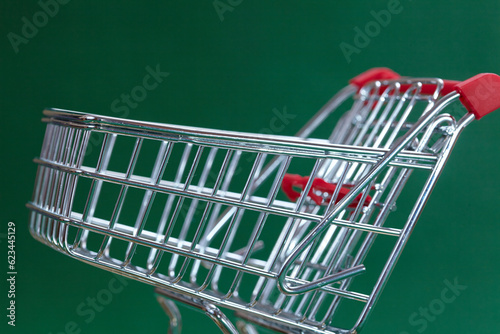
x,y
231,74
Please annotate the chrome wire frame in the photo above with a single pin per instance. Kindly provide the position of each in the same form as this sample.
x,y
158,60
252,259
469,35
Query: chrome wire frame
x,y
214,239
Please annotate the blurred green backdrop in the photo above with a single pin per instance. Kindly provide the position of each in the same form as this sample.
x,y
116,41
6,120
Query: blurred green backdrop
x,y
229,66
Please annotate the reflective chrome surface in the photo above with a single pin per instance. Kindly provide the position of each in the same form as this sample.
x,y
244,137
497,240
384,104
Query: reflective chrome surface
x,y
224,235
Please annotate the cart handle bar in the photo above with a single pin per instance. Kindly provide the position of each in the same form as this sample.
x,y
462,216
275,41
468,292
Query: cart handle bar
x,y
480,95
477,94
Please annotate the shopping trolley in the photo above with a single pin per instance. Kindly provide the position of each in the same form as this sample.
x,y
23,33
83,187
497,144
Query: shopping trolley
x,y
290,233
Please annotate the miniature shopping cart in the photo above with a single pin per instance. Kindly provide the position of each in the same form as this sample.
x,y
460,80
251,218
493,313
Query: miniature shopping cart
x,y
291,234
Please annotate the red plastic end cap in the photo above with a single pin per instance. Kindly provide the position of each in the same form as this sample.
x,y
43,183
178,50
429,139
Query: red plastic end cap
x,y
480,94
377,73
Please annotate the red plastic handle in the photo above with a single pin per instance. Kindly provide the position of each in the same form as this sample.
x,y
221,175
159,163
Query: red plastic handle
x,y
377,73
294,180
429,89
384,73
448,87
480,94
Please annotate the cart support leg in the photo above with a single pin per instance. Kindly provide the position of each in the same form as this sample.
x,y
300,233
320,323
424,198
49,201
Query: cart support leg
x,y
245,328
219,318
173,314
213,312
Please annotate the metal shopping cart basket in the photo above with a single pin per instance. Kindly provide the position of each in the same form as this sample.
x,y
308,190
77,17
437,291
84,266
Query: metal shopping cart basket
x,y
290,233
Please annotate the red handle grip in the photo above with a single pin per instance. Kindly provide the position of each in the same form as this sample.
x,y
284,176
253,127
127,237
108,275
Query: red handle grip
x,y
293,180
480,94
374,74
384,73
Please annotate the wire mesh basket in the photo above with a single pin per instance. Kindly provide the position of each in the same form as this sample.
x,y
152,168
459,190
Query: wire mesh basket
x,y
291,233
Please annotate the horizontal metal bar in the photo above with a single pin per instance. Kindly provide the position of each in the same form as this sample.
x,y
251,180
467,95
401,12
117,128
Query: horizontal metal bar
x,y
255,203
377,97
114,177
148,239
339,152
215,299
141,240
367,227
238,140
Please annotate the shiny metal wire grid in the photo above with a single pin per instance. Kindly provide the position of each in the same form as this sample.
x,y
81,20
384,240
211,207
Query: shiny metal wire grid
x,y
205,216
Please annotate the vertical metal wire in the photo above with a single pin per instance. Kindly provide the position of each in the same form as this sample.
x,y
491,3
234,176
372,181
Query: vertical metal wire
x,y
81,148
54,182
260,290
106,243
163,232
70,187
235,220
259,226
201,240
41,178
61,190
95,188
187,224
149,196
